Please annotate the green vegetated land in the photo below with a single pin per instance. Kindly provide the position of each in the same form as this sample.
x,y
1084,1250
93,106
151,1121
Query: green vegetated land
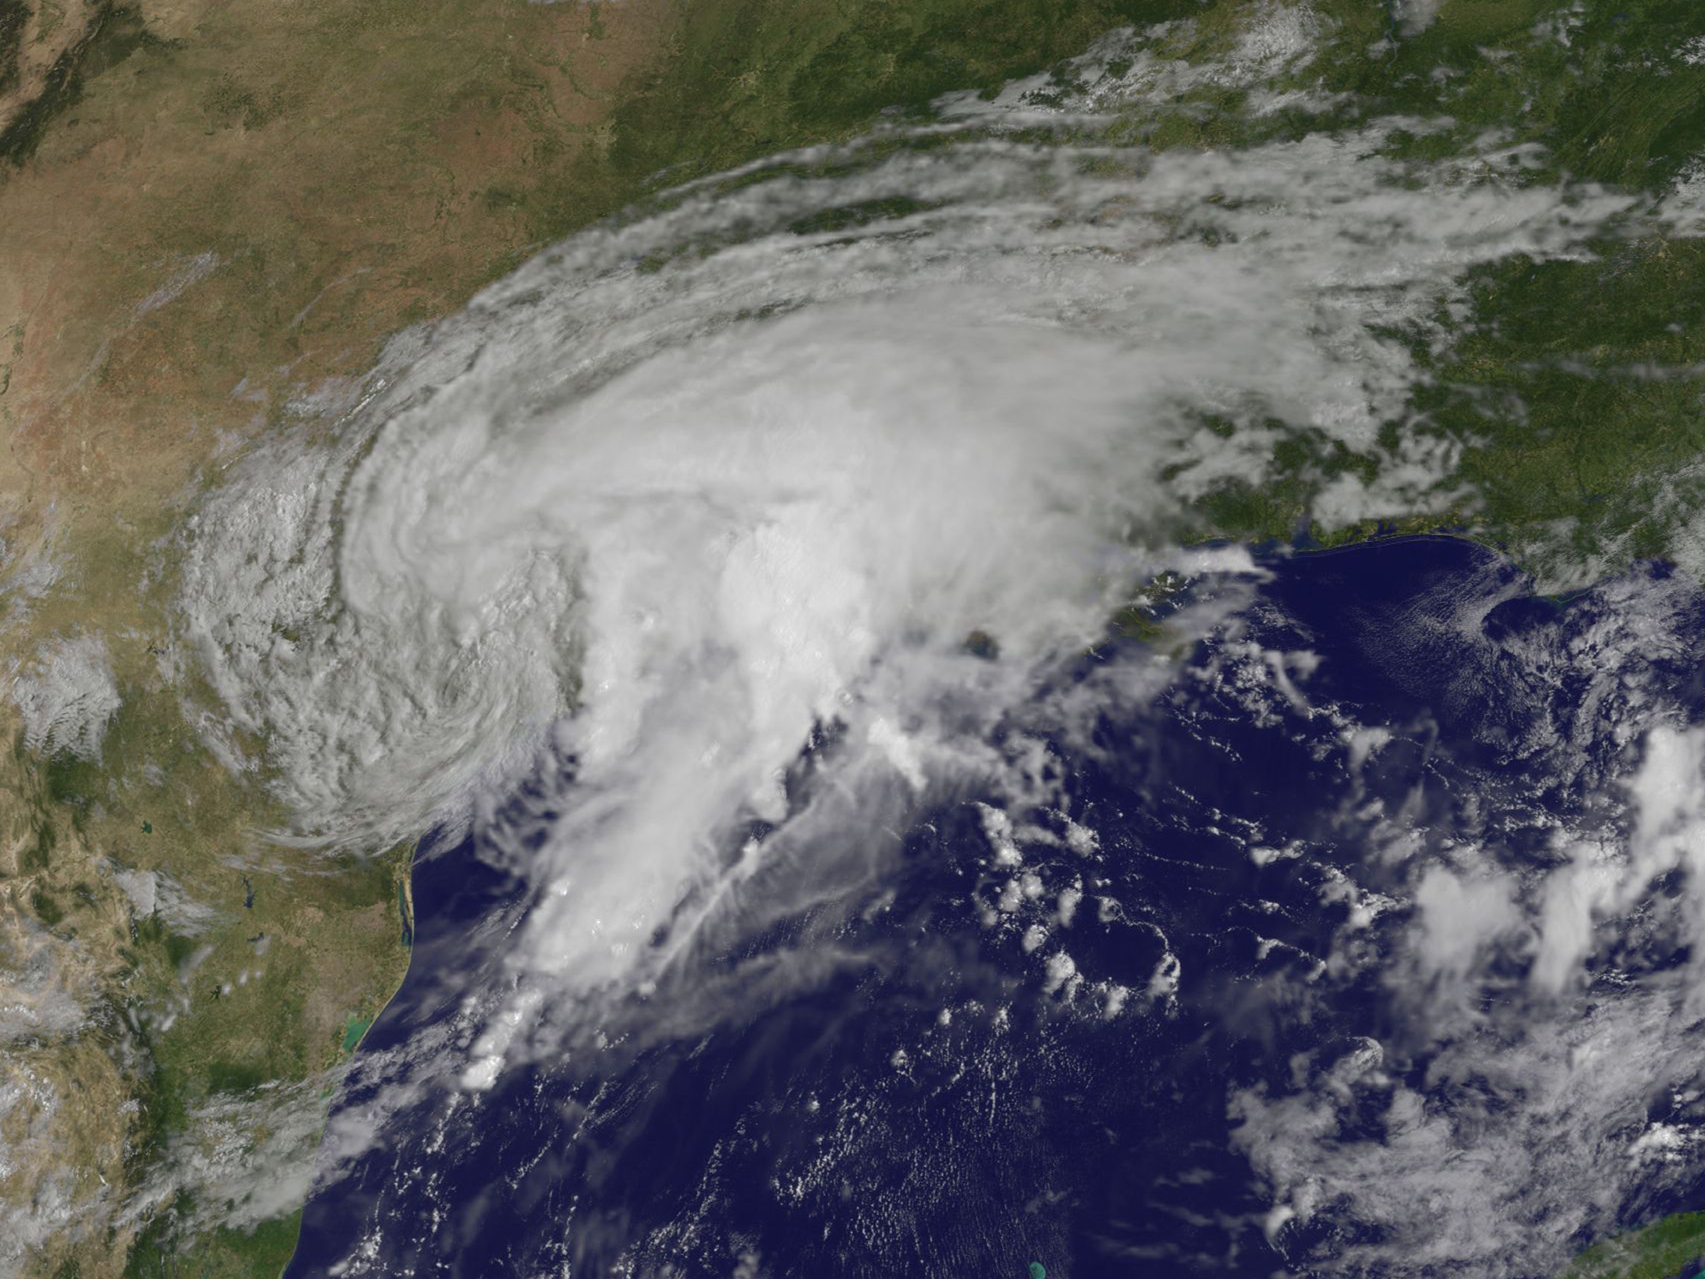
x,y
1575,388
259,983
1660,1251
743,79
1579,384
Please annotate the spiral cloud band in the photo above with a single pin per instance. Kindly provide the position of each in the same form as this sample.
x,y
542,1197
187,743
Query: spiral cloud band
x,y
680,492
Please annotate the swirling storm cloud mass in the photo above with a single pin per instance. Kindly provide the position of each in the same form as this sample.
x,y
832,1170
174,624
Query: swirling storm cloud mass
x,y
834,464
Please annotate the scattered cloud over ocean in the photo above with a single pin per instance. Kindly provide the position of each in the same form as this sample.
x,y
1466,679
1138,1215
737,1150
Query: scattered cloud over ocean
x,y
1543,1069
1515,1139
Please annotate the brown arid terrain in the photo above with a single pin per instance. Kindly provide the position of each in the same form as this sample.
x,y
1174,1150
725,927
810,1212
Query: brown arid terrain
x,y
34,40
238,199
206,207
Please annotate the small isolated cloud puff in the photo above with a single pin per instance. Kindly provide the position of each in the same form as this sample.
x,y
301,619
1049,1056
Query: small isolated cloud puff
x,y
1460,915
67,696
156,893
1415,16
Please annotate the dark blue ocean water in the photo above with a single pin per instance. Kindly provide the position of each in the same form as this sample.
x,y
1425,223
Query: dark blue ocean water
x,y
839,1124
